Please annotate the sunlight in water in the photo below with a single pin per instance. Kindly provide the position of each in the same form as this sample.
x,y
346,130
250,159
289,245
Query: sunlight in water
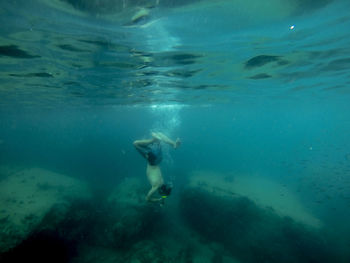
x,y
167,117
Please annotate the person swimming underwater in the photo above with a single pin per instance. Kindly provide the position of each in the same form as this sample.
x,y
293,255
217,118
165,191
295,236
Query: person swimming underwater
x,y
151,150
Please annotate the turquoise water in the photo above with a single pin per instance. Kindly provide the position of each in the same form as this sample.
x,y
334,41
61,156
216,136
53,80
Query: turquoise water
x,y
257,91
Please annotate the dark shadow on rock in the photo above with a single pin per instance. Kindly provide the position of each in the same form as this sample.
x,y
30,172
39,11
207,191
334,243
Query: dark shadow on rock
x,y
45,246
133,218
252,233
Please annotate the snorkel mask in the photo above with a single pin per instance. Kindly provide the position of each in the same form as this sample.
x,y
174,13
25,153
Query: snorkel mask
x,y
165,190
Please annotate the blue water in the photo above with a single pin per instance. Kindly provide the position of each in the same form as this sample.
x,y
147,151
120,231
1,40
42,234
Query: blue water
x,y
249,87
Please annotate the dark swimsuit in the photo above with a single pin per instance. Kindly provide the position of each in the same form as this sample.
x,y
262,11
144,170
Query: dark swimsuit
x,y
152,152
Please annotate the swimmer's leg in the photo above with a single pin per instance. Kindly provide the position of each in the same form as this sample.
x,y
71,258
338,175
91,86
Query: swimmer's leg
x,y
141,146
166,139
149,197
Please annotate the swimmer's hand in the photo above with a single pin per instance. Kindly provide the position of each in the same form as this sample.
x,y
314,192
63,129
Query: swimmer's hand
x,y
177,143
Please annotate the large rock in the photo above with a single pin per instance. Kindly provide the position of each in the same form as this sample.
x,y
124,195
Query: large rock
x,y
264,192
131,230
251,230
28,196
134,218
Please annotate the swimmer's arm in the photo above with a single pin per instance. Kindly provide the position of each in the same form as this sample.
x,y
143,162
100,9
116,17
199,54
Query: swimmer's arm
x,y
166,139
140,143
149,197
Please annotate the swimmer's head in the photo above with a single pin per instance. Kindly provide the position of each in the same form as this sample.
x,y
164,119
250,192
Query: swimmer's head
x,y
165,190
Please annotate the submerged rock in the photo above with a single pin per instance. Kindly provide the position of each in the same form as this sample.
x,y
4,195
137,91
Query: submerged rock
x,y
134,218
264,192
29,196
147,251
250,231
